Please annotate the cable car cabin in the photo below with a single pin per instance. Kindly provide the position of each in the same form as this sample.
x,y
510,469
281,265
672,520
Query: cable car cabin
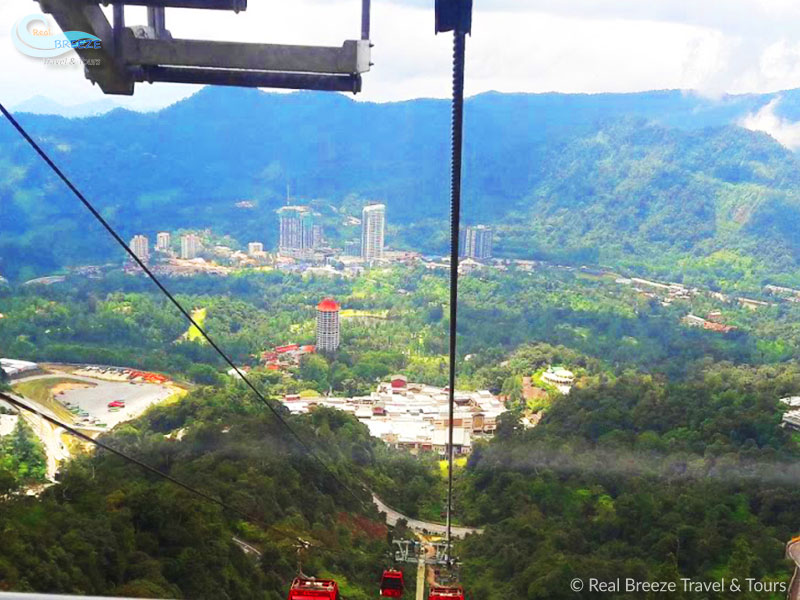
x,y
446,593
314,589
392,585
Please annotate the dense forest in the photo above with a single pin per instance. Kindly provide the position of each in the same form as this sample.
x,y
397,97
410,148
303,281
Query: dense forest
x,y
666,460
123,320
108,527
639,478
632,476
22,458
660,183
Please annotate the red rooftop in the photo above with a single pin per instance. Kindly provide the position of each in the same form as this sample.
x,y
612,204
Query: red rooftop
x,y
328,305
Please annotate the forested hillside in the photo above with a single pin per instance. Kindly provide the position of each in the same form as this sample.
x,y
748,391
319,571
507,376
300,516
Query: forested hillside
x,y
110,529
660,182
638,478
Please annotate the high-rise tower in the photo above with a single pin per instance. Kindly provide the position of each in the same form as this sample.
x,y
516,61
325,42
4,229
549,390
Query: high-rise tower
x,y
373,227
140,246
328,325
190,246
298,230
476,242
163,241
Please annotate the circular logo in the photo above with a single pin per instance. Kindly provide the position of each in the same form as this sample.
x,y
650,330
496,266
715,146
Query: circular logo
x,y
576,585
33,36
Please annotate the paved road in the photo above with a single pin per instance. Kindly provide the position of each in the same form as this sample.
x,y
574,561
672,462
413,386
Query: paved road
x,y
248,549
392,516
793,552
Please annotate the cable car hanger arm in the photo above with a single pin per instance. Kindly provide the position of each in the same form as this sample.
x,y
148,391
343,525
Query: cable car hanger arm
x,y
129,55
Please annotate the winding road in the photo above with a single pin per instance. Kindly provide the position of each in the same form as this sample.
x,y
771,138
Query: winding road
x,y
392,516
793,553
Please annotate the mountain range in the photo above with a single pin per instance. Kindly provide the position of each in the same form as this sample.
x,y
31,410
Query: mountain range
x,y
661,182
41,105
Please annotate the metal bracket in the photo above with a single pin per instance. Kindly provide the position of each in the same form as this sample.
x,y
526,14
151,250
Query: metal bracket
x,y
150,54
454,15
410,551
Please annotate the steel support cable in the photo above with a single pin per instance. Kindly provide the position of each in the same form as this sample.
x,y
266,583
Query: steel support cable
x,y
44,156
149,468
459,50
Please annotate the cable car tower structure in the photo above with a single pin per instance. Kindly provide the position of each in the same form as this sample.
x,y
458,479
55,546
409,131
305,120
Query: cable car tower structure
x,y
148,53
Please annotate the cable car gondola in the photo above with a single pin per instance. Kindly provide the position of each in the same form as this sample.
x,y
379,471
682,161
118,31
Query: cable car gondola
x,y
392,585
455,592
307,588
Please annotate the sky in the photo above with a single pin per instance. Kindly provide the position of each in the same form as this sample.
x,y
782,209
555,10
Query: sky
x,y
710,46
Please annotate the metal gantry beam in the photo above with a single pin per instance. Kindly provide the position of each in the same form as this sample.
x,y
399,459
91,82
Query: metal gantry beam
x,y
148,53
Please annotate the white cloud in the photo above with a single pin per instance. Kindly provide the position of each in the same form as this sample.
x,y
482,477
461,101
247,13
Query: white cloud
x,y
765,119
713,46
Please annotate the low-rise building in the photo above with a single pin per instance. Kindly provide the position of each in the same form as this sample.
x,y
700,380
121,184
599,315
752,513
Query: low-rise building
x,y
14,369
693,321
560,378
416,416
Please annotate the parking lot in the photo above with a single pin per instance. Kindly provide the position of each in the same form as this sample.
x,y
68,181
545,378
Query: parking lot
x,y
94,401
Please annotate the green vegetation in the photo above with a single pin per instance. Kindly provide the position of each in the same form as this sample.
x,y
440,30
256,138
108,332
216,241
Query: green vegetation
x,y
22,460
108,528
637,478
659,183
193,334
667,460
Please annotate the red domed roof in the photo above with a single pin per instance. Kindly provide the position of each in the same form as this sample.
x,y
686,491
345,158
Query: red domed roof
x,y
328,305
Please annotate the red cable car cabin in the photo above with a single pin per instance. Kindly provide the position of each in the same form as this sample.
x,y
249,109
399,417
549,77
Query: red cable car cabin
x,y
392,585
313,589
446,593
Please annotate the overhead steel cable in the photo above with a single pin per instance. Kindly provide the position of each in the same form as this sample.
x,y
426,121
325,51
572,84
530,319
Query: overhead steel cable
x,y
149,468
455,15
78,194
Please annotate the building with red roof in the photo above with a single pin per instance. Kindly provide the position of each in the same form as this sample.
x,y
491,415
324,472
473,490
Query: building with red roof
x,y
328,325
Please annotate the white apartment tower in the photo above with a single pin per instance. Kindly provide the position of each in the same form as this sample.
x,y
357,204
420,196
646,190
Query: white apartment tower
x,y
327,325
190,246
140,246
373,229
476,242
163,241
255,248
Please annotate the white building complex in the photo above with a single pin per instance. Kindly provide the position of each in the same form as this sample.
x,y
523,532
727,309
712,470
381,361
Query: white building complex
x,y
163,241
190,246
415,416
140,246
255,249
476,242
18,368
373,230
328,325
